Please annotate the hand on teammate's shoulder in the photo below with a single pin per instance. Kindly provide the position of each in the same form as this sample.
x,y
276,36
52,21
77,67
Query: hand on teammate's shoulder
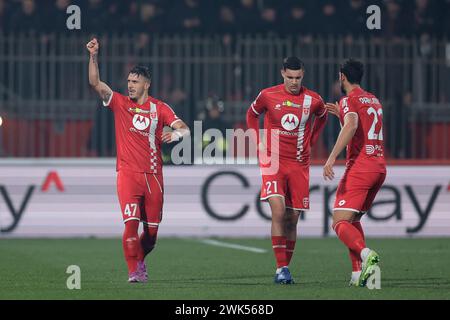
x,y
332,108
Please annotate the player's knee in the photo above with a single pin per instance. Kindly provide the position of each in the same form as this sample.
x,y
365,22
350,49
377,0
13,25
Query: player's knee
x,y
131,228
279,216
336,221
290,226
291,221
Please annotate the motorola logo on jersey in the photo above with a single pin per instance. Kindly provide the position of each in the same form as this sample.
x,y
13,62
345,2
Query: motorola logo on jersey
x,y
140,122
289,121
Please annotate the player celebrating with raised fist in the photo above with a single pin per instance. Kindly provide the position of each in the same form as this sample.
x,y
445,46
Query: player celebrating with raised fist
x,y
139,121
288,108
361,116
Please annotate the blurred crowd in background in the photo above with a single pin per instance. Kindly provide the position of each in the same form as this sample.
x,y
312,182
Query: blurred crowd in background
x,y
400,18
214,79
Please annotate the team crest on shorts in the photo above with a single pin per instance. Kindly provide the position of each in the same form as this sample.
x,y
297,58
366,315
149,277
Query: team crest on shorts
x,y
341,203
305,202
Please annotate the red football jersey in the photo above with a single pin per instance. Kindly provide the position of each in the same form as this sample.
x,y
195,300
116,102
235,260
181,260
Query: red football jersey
x,y
138,132
288,119
365,150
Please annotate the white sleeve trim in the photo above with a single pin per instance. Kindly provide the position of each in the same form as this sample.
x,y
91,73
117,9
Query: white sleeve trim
x,y
106,104
253,108
174,122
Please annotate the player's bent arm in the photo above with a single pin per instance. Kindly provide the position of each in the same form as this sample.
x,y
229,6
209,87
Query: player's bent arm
x,y
318,126
346,134
102,89
180,130
253,120
253,125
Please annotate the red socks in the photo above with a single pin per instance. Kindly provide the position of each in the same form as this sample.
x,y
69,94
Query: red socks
x,y
354,257
148,240
350,236
290,246
131,244
279,248
283,250
357,225
136,248
356,260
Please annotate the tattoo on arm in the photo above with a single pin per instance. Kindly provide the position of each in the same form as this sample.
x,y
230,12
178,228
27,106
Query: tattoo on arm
x,y
94,58
106,95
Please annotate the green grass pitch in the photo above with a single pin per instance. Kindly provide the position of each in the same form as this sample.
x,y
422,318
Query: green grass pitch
x,y
189,269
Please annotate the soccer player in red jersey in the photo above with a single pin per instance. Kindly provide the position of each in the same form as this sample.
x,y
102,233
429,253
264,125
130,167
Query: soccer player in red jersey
x,y
289,109
139,121
361,116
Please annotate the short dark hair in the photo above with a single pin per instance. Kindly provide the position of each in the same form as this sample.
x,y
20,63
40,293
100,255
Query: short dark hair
x,y
353,70
142,70
293,63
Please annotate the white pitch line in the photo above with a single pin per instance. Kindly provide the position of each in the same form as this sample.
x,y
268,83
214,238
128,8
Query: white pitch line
x,y
232,246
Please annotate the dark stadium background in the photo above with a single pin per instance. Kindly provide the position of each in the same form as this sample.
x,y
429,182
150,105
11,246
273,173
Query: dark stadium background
x,y
57,147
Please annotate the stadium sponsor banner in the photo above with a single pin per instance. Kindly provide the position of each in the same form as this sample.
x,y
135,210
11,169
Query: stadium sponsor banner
x,y
78,198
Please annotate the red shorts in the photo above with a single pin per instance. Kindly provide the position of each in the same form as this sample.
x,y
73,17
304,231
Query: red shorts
x,y
356,191
290,182
140,196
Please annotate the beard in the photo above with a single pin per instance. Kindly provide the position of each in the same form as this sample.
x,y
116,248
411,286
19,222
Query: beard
x,y
135,96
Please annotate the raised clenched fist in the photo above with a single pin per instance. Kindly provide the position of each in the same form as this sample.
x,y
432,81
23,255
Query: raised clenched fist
x,y
93,46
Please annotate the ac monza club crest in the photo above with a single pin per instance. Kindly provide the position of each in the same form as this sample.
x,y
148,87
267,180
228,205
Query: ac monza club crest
x,y
153,115
306,111
305,202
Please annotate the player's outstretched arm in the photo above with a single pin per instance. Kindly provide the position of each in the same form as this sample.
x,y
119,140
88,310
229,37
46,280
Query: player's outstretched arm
x,y
100,87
